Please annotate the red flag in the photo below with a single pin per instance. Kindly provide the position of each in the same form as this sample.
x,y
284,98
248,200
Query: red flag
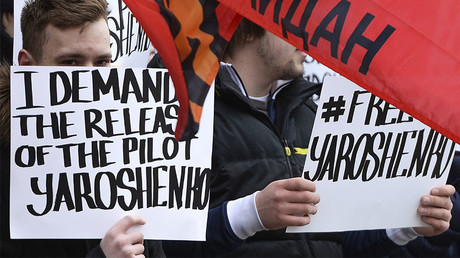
x,y
402,51
190,36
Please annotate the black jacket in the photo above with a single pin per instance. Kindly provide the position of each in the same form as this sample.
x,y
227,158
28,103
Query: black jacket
x,y
250,151
6,47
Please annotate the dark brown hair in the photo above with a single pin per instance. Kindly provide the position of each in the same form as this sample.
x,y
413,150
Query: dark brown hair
x,y
38,14
246,31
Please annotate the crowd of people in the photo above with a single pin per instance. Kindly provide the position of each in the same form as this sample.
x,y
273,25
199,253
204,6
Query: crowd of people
x,y
259,126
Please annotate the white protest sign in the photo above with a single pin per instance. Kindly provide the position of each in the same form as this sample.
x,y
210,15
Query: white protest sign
x,y
90,145
371,163
129,44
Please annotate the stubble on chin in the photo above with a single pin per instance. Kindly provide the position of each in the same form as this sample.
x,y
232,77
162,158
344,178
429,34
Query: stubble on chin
x,y
292,70
287,71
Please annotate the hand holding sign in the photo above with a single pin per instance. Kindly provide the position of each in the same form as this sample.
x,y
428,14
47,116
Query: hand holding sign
x,y
278,203
119,243
435,210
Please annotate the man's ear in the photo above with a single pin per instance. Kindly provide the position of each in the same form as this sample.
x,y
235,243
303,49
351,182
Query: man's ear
x,y
25,58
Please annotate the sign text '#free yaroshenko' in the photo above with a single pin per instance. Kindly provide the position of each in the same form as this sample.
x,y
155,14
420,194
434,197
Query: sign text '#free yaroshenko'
x,y
385,154
371,163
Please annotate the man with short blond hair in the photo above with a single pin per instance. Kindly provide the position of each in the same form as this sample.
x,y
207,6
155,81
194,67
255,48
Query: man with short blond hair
x,y
65,33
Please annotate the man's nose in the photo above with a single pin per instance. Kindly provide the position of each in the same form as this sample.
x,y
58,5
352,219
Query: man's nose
x,y
87,63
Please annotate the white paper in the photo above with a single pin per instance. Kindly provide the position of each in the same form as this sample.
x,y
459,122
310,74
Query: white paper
x,y
371,135
118,141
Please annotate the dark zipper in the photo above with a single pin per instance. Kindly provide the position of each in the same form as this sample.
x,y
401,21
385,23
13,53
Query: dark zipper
x,y
284,144
264,118
288,159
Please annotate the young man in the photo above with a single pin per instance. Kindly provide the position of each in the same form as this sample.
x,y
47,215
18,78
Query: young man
x,y
261,132
65,33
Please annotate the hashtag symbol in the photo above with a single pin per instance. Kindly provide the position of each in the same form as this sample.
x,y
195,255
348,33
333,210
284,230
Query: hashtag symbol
x,y
333,108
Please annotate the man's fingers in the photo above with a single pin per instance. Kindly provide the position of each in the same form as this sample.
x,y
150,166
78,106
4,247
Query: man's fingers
x,y
296,190
293,220
445,190
118,243
128,221
436,213
283,203
436,201
288,196
300,208
298,184
135,237
138,249
302,197
435,210
437,225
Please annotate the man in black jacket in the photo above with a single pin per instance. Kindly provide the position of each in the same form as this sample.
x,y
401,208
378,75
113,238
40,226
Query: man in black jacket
x,y
261,135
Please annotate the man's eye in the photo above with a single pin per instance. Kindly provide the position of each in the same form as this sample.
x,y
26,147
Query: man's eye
x,y
103,62
69,62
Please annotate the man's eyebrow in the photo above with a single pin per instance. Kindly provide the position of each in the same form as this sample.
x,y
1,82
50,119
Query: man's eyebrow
x,y
104,56
77,55
69,55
